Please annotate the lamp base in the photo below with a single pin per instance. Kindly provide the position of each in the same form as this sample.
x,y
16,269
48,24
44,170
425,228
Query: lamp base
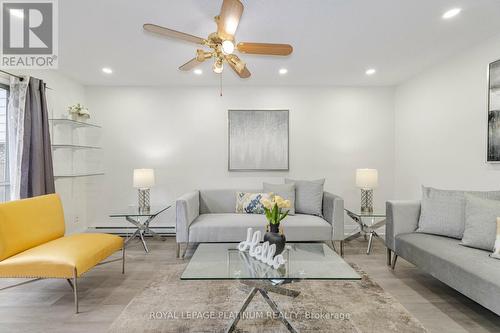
x,y
366,201
143,198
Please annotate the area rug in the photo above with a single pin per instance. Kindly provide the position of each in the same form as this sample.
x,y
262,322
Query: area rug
x,y
170,305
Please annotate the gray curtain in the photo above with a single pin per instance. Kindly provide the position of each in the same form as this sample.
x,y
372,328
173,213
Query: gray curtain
x,y
37,176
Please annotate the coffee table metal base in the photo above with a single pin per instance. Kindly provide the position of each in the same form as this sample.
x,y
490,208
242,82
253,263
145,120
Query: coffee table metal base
x,y
263,287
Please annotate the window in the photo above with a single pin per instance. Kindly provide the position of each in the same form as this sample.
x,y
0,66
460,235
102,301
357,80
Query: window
x,y
4,153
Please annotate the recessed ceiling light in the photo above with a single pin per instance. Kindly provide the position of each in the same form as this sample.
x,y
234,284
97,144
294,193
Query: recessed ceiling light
x,y
452,13
371,71
198,71
107,70
283,71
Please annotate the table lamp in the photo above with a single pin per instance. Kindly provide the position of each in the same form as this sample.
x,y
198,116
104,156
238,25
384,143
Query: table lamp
x,y
366,180
144,179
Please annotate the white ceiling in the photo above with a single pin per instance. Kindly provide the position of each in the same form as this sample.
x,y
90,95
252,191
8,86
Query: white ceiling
x,y
334,41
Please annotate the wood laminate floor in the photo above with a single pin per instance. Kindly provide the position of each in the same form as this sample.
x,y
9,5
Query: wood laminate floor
x,y
47,305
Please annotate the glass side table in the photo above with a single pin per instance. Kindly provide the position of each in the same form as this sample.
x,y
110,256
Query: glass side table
x,y
367,230
133,214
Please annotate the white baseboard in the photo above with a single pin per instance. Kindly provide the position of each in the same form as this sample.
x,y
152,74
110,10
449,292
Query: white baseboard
x,y
167,231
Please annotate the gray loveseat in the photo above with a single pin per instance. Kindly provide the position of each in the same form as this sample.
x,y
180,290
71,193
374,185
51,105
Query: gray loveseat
x,y
209,216
470,271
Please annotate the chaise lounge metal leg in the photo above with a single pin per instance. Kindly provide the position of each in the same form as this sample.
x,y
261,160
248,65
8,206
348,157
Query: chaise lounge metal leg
x,y
20,284
178,250
394,259
342,248
123,259
75,289
388,255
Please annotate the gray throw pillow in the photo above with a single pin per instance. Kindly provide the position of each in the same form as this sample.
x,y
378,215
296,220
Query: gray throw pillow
x,y
443,211
286,191
308,196
480,222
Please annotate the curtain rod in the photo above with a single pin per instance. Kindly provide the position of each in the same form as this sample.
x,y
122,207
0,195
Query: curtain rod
x,y
20,77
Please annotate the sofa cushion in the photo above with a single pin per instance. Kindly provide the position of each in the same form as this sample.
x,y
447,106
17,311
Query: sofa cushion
x,y
480,222
286,191
443,211
470,271
308,196
233,227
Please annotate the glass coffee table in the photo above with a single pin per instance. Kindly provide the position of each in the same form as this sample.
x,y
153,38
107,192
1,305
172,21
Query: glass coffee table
x,y
304,261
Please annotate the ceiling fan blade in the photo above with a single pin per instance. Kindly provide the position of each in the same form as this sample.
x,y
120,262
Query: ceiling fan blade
x,y
172,33
229,18
265,48
238,66
190,65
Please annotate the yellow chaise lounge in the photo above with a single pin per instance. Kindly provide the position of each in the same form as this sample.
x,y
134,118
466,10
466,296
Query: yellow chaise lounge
x,y
33,245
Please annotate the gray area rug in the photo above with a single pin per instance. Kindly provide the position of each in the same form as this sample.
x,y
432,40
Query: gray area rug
x,y
171,305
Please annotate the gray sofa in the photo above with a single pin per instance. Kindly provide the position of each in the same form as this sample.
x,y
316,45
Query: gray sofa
x,y
209,216
470,271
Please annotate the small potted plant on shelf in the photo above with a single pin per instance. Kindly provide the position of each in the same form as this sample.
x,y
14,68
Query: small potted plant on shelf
x,y
275,213
78,112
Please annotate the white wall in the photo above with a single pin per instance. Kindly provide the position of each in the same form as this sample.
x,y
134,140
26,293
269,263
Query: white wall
x,y
182,134
441,125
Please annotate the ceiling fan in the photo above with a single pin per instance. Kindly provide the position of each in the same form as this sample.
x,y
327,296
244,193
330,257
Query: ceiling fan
x,y
222,42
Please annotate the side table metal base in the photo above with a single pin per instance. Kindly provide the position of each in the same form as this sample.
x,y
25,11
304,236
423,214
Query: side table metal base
x,y
367,231
263,288
142,229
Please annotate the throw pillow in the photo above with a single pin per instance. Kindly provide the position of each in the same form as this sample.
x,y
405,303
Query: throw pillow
x,y
249,203
443,211
308,196
286,191
496,250
480,222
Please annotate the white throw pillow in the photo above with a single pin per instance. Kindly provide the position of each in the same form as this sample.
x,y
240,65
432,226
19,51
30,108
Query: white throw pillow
x,y
308,196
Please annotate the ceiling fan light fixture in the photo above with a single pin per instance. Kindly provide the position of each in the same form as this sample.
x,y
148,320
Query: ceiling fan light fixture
x,y
218,67
227,47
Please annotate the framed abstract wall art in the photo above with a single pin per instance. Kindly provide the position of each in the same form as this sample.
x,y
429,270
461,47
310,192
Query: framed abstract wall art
x,y
258,140
494,112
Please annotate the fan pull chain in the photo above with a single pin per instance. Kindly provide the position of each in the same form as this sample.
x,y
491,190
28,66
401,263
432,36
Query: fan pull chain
x,y
220,84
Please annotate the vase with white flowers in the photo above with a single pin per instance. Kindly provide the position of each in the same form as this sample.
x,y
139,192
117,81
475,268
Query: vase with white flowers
x,y
276,211
78,112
